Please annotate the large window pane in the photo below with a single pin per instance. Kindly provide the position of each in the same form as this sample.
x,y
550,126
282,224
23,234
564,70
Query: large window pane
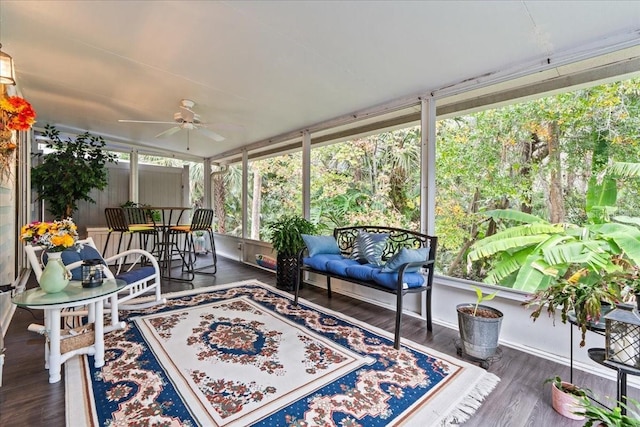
x,y
373,180
226,186
537,157
274,189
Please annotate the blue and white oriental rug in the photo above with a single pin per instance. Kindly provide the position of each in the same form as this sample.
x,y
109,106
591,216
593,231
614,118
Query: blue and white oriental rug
x,y
243,355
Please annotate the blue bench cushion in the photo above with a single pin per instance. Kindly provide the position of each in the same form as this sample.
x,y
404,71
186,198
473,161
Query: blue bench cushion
x,y
390,280
319,262
321,244
362,272
368,247
339,266
404,256
137,274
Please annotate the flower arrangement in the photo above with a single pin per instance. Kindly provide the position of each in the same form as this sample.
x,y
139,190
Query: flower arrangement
x,y
55,236
15,114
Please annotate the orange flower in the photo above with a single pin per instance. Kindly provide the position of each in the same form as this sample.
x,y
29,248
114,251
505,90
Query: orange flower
x,y
17,113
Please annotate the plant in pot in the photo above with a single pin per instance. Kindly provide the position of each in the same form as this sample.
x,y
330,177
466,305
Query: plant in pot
x,y
479,326
566,398
581,297
601,416
286,237
70,171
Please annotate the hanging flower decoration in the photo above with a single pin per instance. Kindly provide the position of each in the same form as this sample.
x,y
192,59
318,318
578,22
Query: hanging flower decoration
x,y
55,236
15,114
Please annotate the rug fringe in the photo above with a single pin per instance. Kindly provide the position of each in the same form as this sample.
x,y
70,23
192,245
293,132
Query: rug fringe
x,y
472,402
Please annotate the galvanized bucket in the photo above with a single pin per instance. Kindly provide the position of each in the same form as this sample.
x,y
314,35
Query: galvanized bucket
x,y
479,335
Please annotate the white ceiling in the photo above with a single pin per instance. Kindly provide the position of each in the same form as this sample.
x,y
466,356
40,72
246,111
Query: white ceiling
x,y
259,69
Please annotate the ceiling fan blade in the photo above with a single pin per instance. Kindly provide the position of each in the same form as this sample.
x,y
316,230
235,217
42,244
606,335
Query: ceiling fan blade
x,y
169,131
211,134
145,121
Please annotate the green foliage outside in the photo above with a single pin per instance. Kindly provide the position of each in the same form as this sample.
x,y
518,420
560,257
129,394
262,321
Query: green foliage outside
x,y
545,158
70,173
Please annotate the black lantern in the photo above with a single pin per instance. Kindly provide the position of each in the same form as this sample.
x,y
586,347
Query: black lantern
x,y
92,273
623,337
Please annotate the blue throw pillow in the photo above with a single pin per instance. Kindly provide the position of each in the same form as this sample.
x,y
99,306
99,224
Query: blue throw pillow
x,y
321,244
71,255
368,247
404,256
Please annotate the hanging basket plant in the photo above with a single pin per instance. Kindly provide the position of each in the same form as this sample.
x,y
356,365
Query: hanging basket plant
x,y
15,114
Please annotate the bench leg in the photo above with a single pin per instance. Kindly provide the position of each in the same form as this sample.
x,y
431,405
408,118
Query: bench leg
x,y
329,286
396,339
297,287
429,324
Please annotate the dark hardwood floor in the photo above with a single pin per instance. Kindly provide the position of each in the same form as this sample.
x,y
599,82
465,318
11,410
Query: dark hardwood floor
x,y
520,399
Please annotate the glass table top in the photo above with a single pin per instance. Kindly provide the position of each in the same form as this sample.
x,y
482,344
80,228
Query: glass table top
x,y
72,293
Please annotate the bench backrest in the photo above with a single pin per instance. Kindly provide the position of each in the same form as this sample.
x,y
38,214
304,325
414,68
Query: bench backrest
x,y
398,238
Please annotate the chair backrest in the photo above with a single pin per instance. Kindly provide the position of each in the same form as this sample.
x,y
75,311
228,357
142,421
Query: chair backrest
x,y
139,216
72,258
116,219
202,220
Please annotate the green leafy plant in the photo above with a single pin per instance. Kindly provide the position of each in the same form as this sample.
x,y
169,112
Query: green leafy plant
x,y
71,171
286,234
597,415
581,299
155,214
566,387
480,298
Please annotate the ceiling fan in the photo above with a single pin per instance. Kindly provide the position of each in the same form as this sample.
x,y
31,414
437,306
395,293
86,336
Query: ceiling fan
x,y
186,119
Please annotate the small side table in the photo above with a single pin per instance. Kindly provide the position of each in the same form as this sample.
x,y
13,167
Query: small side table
x,y
74,295
598,356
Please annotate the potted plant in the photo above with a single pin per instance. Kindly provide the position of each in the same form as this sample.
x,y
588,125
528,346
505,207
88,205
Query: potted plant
x,y
479,326
577,297
286,237
71,171
600,416
566,398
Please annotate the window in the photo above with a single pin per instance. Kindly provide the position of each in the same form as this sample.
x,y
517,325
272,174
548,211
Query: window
x,y
536,157
370,180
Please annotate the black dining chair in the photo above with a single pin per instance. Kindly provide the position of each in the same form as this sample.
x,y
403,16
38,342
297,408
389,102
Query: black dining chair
x,y
141,222
201,221
118,222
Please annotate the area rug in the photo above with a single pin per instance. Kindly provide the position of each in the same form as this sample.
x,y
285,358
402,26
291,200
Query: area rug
x,y
243,354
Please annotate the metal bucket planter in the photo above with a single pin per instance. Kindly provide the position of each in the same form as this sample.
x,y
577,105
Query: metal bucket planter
x,y
479,334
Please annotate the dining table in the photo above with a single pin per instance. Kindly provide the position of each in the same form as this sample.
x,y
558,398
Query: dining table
x,y
170,217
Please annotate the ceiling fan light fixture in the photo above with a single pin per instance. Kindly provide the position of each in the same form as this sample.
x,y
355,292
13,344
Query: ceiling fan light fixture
x,y
7,71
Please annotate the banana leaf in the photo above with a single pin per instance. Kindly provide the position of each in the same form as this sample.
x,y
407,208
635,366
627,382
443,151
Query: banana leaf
x,y
625,236
507,265
485,249
511,214
530,278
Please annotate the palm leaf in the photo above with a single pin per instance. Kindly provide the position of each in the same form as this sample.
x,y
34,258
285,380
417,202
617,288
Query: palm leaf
x,y
625,170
